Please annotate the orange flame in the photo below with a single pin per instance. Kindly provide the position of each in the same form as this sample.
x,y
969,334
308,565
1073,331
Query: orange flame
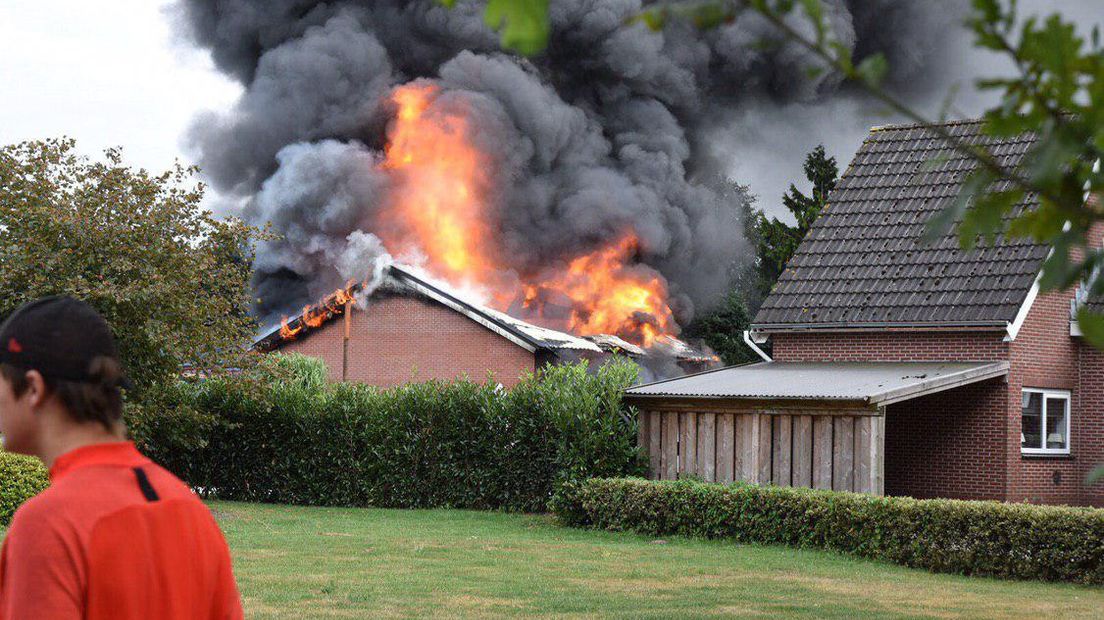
x,y
316,315
439,210
287,332
610,296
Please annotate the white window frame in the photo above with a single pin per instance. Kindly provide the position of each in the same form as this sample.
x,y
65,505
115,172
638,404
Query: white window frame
x,y
1063,394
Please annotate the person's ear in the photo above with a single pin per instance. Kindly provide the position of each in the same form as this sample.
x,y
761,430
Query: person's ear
x,y
36,388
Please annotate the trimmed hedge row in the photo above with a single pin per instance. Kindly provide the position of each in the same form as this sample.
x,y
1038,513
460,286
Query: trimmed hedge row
x,y
21,478
283,434
1018,541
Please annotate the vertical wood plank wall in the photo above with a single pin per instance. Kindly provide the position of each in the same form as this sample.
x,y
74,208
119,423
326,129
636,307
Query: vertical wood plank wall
x,y
839,452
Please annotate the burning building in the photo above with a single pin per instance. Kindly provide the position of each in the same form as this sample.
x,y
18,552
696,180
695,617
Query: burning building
x,y
582,190
407,327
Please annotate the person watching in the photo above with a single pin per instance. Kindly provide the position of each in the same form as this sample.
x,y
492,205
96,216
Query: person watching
x,y
114,535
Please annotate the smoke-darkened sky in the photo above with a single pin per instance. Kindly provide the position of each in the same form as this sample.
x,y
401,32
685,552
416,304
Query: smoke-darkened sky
x,y
283,103
615,127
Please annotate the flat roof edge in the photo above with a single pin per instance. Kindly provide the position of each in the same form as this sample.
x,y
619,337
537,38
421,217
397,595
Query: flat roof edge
x,y
945,382
929,377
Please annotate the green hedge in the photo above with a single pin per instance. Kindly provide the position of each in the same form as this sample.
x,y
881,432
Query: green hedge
x,y
969,537
21,478
283,434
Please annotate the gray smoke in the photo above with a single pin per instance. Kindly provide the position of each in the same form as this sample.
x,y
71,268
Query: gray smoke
x,y
613,128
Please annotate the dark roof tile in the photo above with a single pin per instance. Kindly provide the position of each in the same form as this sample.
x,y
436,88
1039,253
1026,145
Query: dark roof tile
x,y
863,261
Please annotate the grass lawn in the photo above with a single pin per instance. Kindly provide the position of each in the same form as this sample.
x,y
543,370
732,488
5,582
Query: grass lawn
x,y
294,562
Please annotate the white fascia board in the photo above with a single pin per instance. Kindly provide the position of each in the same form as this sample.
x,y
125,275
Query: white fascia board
x,y
1025,308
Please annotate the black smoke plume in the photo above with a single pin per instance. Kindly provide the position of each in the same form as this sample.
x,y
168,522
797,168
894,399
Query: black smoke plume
x,y
614,126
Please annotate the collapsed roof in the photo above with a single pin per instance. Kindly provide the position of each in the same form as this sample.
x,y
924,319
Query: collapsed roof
x,y
404,280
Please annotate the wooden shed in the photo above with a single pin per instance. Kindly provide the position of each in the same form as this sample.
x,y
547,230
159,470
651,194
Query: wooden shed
x,y
809,424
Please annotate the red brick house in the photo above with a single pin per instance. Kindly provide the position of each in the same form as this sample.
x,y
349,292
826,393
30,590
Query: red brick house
x,y
411,329
899,367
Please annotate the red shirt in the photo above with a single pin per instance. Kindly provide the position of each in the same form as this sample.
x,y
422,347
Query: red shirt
x,y
115,536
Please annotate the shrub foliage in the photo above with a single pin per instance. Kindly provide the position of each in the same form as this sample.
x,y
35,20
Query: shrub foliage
x,y
21,478
969,537
281,433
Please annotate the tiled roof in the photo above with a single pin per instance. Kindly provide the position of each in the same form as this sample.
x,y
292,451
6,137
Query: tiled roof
x,y
864,263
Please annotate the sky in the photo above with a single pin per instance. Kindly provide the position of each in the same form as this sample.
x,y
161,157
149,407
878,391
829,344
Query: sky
x,y
105,73
114,74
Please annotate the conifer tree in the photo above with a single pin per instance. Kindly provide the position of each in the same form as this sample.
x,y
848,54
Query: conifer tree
x,y
777,240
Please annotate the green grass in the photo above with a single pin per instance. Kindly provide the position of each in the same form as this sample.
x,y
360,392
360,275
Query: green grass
x,y
295,562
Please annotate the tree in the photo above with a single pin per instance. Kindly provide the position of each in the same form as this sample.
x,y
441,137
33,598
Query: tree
x,y
171,280
723,329
777,240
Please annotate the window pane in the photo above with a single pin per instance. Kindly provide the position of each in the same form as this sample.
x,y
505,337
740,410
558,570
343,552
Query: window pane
x,y
1056,423
1031,432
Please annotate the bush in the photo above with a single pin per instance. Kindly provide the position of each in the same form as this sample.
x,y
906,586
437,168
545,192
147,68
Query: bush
x,y
282,434
969,537
21,478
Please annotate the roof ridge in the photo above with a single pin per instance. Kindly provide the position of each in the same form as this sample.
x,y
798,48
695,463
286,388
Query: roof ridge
x,y
925,125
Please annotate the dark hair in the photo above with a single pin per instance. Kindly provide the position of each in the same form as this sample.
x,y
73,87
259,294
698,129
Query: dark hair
x,y
99,400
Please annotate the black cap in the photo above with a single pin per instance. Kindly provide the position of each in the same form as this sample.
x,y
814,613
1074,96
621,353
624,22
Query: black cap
x,y
59,337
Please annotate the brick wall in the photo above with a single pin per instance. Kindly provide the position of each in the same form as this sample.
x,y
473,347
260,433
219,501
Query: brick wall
x,y
1044,356
948,444
1088,425
399,339
897,346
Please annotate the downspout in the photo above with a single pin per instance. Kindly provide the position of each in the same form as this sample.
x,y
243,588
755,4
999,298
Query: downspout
x,y
345,342
754,347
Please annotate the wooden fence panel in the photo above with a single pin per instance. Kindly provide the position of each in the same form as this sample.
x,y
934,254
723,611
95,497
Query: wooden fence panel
x,y
864,434
655,442
747,437
726,447
688,444
707,446
823,451
644,438
843,454
803,451
766,440
782,447
670,445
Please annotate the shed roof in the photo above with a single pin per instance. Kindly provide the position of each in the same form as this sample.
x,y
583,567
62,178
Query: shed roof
x,y
872,383
864,264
